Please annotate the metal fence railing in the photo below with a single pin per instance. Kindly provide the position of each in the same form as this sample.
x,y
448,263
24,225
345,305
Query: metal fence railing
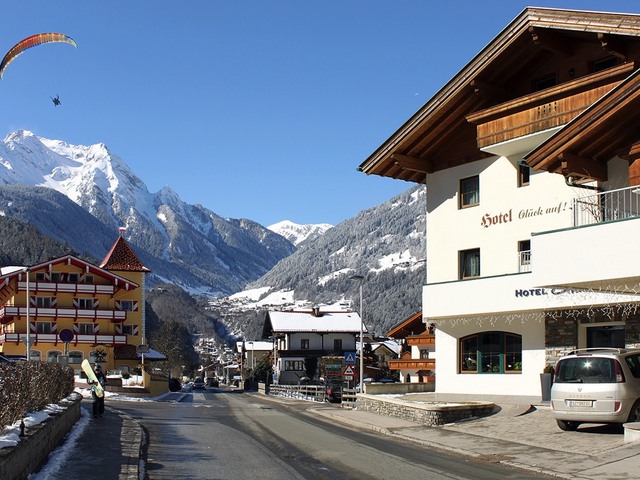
x,y
607,206
312,393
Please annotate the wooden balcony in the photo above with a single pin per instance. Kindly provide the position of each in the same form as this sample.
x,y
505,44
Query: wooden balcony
x,y
425,339
549,108
413,364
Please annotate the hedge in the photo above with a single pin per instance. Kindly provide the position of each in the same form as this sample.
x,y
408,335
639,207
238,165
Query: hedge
x,y
30,386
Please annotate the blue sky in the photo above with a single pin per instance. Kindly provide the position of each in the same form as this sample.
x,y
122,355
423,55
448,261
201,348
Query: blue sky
x,y
254,109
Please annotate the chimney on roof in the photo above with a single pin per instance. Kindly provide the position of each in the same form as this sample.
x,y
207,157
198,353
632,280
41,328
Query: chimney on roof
x,y
122,230
315,311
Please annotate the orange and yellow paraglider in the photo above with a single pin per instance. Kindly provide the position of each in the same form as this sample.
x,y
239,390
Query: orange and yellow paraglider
x,y
33,41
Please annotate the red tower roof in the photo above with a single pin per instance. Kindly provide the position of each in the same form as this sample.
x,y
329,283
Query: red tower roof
x,y
121,257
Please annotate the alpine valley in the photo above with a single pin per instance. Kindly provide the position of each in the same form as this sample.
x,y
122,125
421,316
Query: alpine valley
x,y
81,195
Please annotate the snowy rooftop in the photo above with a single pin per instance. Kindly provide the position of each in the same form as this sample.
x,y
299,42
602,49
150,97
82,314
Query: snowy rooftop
x,y
305,321
266,346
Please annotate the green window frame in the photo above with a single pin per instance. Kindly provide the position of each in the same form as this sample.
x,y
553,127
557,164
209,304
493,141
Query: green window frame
x,y
491,353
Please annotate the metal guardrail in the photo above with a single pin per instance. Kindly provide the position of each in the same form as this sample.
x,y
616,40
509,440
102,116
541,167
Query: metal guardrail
x,y
313,393
607,206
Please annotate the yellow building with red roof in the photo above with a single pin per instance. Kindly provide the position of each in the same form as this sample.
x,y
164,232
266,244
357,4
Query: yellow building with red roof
x,y
76,310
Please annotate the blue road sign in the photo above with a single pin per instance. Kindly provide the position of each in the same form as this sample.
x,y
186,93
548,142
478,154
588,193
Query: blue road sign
x,y
349,357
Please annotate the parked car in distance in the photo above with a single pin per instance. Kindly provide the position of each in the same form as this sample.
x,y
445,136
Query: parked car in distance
x,y
333,392
213,382
596,385
198,384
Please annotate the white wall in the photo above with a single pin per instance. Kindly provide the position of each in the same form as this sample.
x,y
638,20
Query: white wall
x,y
542,205
527,383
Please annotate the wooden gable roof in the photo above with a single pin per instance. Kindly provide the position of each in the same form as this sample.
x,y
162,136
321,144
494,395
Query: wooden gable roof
x,y
442,133
608,128
410,326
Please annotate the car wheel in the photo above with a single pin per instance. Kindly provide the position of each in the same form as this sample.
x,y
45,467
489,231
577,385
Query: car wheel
x,y
567,426
634,414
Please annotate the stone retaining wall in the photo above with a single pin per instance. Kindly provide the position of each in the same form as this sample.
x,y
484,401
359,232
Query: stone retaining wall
x,y
18,462
429,414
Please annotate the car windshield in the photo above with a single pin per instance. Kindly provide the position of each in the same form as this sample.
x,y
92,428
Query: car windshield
x,y
586,370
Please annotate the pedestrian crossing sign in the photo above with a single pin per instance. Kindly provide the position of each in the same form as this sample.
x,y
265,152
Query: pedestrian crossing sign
x,y
349,357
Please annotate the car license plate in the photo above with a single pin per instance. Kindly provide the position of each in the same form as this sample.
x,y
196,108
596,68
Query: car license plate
x,y
580,403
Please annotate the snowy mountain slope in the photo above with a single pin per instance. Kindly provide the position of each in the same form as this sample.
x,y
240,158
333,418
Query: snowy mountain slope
x,y
222,254
385,244
299,234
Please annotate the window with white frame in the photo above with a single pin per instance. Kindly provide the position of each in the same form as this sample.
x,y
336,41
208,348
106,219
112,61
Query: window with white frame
x,y
75,358
294,365
87,303
126,305
469,193
85,328
52,356
43,302
43,327
469,264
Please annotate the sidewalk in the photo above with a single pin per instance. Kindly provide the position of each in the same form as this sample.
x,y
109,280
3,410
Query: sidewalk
x,y
518,435
106,447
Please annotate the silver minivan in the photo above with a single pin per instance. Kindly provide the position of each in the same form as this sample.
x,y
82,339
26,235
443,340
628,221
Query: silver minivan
x,y
596,385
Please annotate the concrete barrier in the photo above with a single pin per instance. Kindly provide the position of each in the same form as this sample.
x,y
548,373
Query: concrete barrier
x,y
631,432
17,463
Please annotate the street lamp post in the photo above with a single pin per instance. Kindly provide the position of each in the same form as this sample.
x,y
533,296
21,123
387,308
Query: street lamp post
x,y
360,279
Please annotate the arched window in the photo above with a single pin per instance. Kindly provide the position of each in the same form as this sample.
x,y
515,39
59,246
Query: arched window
x,y
52,356
35,355
491,352
75,358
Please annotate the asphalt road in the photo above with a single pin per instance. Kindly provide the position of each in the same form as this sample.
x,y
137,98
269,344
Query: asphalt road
x,y
224,435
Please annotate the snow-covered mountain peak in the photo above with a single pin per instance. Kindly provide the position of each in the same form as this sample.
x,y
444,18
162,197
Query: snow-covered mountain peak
x,y
296,233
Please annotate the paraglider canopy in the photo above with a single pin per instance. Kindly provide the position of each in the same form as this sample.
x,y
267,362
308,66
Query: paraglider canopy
x,y
33,41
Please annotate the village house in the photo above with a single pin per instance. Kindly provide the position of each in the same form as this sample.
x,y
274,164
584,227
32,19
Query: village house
x,y
76,311
311,334
531,160
417,362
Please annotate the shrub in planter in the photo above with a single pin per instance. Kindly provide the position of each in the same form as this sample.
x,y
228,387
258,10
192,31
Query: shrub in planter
x,y
30,386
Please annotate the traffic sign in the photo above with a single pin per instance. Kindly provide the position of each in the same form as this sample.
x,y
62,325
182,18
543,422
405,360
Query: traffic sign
x,y
348,371
349,357
142,349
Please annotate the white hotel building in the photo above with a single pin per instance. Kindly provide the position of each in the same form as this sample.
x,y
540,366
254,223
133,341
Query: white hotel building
x,y
530,156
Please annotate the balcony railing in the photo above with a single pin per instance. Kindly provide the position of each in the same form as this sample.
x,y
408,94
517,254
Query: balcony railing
x,y
607,206
94,339
524,261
